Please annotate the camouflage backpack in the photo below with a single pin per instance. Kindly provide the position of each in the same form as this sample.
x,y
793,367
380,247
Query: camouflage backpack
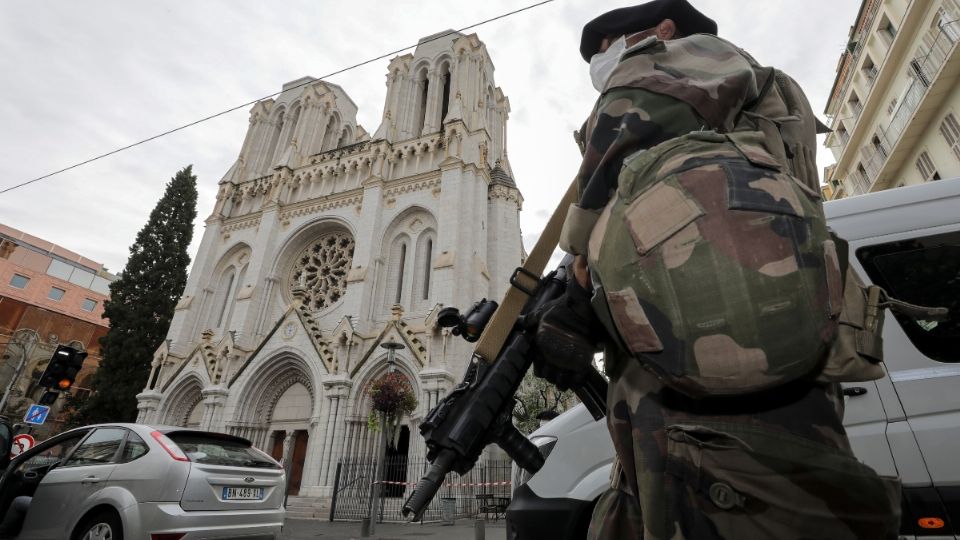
x,y
717,267
715,264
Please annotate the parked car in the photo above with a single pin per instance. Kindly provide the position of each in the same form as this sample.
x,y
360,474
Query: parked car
x,y
142,482
906,240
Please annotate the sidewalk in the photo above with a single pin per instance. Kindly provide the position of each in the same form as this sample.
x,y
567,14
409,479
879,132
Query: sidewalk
x,y
303,529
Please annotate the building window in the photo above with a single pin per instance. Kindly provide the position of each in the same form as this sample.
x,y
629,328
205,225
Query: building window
x,y
56,293
88,304
19,282
320,271
403,262
226,300
422,113
948,25
445,106
887,30
426,269
921,271
925,165
869,70
950,129
855,106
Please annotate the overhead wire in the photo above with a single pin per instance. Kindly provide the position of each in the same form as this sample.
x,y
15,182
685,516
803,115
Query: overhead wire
x,y
275,94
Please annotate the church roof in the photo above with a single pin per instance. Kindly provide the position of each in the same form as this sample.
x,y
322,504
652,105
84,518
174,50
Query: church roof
x,y
498,176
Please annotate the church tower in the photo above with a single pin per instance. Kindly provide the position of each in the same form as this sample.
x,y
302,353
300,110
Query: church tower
x,y
326,243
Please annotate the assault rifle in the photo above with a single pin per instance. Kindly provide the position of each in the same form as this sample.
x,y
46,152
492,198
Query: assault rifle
x,y
478,411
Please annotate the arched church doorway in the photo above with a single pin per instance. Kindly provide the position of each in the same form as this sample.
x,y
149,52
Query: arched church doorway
x,y
395,466
290,418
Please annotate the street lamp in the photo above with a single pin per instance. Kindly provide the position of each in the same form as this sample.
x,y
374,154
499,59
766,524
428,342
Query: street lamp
x,y
392,347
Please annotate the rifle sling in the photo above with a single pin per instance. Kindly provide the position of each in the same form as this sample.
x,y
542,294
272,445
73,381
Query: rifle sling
x,y
501,324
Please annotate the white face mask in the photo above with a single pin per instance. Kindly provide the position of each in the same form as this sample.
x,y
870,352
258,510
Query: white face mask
x,y
602,64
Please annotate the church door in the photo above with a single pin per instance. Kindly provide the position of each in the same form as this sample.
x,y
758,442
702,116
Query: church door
x,y
276,451
296,461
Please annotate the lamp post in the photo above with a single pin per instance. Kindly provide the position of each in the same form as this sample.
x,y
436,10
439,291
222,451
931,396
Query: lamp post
x,y
375,487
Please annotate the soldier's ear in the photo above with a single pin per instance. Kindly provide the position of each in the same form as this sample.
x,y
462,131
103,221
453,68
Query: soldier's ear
x,y
667,29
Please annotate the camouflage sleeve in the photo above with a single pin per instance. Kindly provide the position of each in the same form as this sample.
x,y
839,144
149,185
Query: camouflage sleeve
x,y
626,120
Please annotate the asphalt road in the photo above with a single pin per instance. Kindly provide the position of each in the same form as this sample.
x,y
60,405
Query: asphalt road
x,y
303,529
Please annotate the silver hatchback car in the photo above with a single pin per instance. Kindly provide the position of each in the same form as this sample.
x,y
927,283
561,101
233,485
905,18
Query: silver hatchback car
x,y
134,481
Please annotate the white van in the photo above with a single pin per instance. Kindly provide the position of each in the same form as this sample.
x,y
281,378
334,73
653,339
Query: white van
x,y
906,240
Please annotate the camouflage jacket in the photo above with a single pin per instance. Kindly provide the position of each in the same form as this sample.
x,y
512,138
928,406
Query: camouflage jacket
x,y
665,89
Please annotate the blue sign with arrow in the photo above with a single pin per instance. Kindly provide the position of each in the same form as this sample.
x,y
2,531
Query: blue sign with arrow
x,y
36,414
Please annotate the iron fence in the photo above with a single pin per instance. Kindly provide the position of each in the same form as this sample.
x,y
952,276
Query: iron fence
x,y
484,490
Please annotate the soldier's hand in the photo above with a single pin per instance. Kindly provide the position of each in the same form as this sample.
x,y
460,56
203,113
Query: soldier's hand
x,y
567,337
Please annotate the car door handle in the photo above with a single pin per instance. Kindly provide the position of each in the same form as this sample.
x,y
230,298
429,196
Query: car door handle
x,y
854,391
91,480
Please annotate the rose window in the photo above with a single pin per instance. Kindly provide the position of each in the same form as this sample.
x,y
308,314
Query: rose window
x,y
320,271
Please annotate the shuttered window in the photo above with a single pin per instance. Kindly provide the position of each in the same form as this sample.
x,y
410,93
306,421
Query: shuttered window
x,y
925,165
950,129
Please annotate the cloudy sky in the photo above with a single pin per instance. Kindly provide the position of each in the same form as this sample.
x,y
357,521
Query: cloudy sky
x,y
84,78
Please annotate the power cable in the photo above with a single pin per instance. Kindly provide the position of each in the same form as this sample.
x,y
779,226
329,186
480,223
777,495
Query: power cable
x,y
249,103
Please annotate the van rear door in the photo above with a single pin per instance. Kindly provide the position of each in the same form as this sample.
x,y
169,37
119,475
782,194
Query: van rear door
x,y
227,473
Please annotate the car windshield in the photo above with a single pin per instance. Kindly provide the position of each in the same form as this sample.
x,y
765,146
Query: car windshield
x,y
211,450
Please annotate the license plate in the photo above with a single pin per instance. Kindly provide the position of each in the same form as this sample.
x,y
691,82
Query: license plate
x,y
242,493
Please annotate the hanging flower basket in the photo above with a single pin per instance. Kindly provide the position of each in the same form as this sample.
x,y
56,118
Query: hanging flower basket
x,y
392,397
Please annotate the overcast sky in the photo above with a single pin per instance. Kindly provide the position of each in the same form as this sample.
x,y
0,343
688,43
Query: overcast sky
x,y
84,78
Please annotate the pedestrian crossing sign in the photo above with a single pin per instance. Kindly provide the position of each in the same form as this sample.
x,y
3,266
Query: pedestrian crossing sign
x,y
36,414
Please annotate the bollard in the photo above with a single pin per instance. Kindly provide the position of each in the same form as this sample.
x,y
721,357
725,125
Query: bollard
x,y
365,527
478,529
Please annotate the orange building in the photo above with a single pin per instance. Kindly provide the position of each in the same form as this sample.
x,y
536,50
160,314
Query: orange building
x,y
48,296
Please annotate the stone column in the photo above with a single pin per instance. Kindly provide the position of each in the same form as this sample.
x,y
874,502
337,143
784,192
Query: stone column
x,y
148,402
214,398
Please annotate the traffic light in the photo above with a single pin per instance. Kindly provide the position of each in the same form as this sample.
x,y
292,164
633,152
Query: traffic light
x,y
63,368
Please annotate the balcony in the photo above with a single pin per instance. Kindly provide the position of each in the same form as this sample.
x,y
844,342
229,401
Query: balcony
x,y
936,71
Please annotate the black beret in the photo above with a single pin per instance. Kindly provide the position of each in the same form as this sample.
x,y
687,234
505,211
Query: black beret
x,y
629,20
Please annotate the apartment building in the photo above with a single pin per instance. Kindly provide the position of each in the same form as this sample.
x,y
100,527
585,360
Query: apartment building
x,y
49,295
895,103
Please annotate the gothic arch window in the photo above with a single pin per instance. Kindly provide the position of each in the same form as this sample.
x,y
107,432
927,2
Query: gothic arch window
x,y
406,275
291,130
423,87
225,291
319,272
330,133
422,268
445,97
346,137
271,153
397,270
225,281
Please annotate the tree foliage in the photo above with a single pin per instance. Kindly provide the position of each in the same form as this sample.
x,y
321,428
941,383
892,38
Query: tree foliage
x,y
536,396
142,302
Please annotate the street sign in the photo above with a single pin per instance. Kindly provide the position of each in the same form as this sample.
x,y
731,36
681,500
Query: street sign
x,y
21,443
36,414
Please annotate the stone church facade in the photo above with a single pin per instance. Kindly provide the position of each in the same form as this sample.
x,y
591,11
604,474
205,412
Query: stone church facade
x,y
327,242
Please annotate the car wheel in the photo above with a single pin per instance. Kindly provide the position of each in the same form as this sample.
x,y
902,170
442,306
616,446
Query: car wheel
x,y
102,526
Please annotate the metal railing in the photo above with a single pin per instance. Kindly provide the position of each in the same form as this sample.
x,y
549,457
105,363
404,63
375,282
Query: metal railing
x,y
855,53
472,493
925,66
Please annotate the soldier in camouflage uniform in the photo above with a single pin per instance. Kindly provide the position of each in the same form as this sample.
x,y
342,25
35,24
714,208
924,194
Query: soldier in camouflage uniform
x,y
770,464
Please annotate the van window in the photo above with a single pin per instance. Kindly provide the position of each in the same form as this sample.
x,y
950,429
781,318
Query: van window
x,y
924,271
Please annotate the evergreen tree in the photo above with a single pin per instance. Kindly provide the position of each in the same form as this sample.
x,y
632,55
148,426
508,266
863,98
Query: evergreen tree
x,y
141,303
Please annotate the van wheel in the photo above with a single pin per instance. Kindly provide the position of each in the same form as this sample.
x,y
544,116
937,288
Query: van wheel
x,y
101,526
